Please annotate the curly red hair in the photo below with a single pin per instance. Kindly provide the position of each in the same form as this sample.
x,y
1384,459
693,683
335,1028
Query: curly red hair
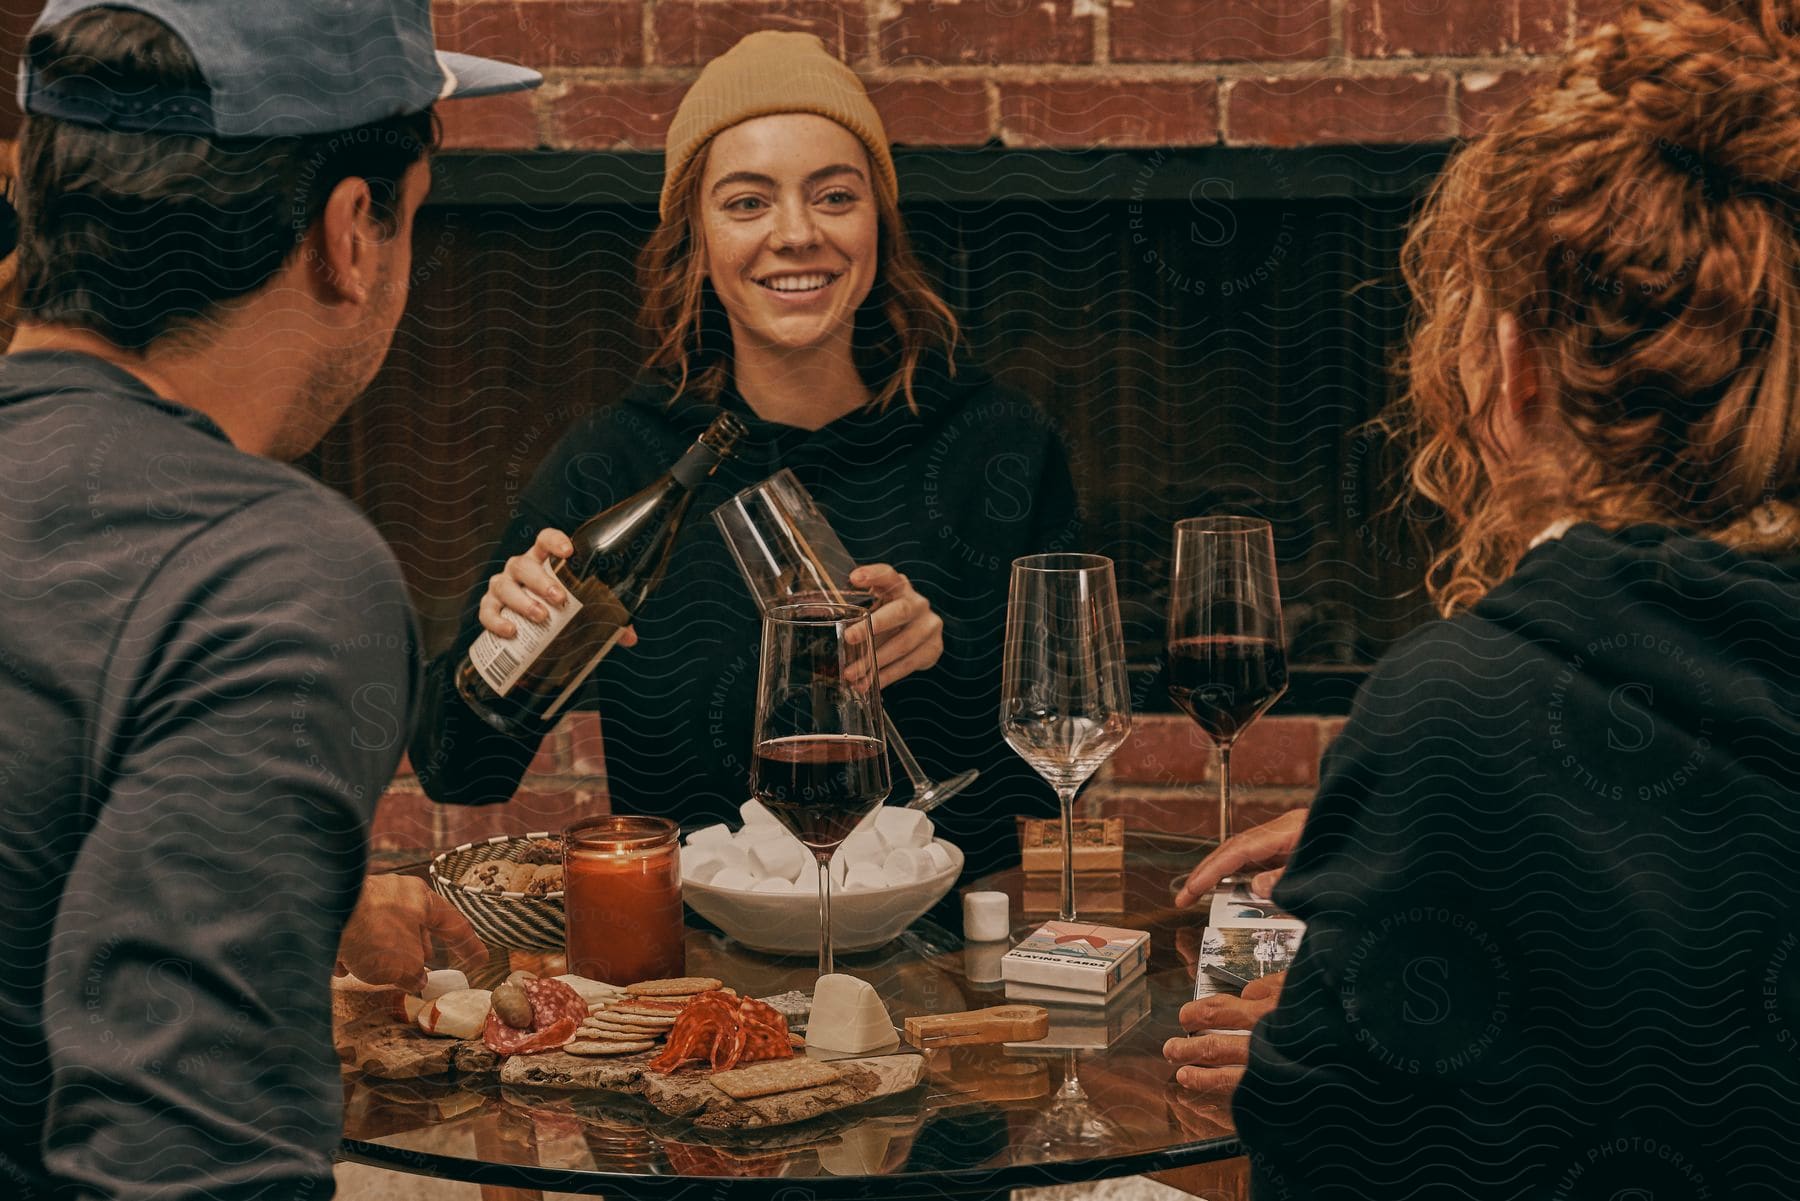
x,y
1638,219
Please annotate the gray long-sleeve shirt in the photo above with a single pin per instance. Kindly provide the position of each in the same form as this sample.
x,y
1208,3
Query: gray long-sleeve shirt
x,y
207,669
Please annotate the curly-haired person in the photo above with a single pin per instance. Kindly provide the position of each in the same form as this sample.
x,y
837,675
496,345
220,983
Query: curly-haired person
x,y
1549,879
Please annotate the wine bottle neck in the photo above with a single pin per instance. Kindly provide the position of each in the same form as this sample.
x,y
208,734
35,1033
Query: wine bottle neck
x,y
694,466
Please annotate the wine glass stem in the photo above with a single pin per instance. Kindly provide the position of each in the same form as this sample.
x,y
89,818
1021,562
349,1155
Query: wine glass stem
x,y
1224,791
1067,797
902,752
825,967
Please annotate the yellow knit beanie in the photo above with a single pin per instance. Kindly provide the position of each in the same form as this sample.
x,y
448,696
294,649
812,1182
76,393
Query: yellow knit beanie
x,y
773,72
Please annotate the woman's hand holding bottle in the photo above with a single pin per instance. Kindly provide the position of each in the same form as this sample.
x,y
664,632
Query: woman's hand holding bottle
x,y
526,587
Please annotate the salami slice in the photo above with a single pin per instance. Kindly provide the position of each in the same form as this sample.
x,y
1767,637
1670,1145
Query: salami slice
x,y
557,1012
552,1001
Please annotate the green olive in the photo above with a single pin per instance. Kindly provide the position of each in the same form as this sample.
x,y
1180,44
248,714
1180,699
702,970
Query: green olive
x,y
513,1006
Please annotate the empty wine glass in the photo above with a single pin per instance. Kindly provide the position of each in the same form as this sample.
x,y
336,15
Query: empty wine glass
x,y
1227,655
820,762
1065,702
785,547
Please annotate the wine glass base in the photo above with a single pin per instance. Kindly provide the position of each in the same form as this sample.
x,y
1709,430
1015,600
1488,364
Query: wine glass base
x,y
942,791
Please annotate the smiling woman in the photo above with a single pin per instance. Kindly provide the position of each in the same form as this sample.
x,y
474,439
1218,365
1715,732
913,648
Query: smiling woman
x,y
780,284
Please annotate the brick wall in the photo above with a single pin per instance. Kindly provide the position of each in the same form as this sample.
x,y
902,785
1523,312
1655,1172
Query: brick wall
x,y
1035,73
1161,779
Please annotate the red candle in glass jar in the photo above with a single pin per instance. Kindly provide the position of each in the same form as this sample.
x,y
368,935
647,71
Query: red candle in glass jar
x,y
622,897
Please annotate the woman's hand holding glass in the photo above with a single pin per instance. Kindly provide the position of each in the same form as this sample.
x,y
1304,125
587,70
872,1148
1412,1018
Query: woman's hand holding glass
x,y
526,586
909,635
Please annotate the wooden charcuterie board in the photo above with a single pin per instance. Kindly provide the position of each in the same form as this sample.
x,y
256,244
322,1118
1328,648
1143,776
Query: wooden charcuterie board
x,y
690,1093
378,1046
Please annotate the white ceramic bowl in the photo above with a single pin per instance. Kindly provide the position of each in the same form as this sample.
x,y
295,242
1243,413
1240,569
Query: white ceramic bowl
x,y
787,923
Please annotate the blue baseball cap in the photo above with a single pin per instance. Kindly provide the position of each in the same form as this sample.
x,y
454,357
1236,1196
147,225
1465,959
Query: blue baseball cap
x,y
277,68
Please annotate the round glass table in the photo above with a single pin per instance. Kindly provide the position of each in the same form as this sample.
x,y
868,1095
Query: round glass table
x,y
986,1119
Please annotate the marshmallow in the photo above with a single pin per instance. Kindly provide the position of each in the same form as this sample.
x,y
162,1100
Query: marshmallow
x,y
839,865
864,877
907,865
868,819
710,836
901,827
863,846
985,916
701,866
734,879
783,858
941,860
773,884
755,814
729,854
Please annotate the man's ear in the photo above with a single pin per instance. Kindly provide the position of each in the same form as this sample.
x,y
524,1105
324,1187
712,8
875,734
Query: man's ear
x,y
1518,370
346,238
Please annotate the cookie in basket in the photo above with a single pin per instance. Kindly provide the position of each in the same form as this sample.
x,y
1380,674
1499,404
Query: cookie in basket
x,y
498,875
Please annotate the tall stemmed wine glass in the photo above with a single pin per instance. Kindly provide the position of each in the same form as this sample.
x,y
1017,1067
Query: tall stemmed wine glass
x,y
1065,702
1227,655
820,762
787,551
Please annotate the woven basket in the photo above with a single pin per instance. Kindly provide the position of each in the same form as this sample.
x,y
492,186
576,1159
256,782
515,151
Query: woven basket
x,y
504,919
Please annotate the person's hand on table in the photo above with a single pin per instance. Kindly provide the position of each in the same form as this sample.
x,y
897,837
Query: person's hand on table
x,y
388,937
909,636
1267,846
526,587
1210,1063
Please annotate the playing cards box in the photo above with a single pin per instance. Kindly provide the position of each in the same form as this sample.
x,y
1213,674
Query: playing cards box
x,y
1077,956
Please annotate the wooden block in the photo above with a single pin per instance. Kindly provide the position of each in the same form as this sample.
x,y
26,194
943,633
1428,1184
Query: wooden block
x,y
1099,844
1000,1024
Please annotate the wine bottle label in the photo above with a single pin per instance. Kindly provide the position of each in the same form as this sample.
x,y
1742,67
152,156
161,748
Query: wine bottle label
x,y
501,661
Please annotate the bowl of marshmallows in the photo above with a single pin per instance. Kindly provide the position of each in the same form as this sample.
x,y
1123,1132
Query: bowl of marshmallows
x,y
760,884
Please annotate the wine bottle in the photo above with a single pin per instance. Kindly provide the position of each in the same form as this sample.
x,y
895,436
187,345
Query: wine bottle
x,y
523,684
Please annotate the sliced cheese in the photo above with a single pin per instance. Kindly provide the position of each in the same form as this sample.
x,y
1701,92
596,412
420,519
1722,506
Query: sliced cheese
x,y
848,1017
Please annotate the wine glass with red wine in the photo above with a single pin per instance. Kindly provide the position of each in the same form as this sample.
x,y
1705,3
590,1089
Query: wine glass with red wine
x,y
787,551
1227,654
820,760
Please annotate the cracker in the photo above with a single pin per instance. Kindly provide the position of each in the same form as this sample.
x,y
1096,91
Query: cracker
x,y
636,1021
774,1076
647,1009
680,986
595,1046
611,1030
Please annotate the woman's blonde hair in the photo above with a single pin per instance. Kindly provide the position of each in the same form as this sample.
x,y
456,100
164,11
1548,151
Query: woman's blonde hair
x,y
1639,221
902,320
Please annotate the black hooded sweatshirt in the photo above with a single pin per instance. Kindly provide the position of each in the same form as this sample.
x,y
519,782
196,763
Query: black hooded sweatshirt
x,y
1551,894
949,495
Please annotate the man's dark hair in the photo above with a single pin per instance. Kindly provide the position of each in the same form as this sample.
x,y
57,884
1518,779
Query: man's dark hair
x,y
135,236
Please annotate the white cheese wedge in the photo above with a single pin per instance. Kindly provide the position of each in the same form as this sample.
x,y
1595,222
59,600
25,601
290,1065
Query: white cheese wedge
x,y
458,1014
848,1017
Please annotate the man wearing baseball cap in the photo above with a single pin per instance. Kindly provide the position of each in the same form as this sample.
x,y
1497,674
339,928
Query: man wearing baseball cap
x,y
207,660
